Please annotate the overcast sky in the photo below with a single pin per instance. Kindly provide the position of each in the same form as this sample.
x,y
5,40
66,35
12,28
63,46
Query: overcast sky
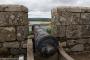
x,y
42,8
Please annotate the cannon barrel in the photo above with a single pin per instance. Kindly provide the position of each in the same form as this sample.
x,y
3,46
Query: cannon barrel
x,y
45,44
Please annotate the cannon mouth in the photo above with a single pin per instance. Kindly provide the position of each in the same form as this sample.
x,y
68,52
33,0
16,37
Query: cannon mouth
x,y
48,51
47,46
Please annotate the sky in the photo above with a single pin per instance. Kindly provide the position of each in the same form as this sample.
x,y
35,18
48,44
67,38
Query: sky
x,y
42,8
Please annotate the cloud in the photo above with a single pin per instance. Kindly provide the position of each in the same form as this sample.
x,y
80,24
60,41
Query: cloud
x,y
47,5
42,8
9,2
85,3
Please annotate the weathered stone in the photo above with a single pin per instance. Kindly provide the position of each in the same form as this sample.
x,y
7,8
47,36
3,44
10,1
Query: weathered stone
x,y
7,34
54,31
1,45
3,19
9,58
67,12
15,51
18,51
22,32
78,47
72,9
67,49
15,15
88,40
73,31
64,44
85,9
87,47
63,16
85,18
68,18
75,18
4,52
18,18
11,44
13,30
69,9
71,42
85,31
24,44
61,30
13,8
73,24
82,41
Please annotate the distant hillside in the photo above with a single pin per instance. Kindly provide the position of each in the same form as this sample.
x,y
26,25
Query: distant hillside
x,y
38,19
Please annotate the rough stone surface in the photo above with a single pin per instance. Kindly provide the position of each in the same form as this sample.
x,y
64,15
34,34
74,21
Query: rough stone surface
x,y
87,47
1,45
69,9
4,51
64,44
15,15
85,30
73,31
82,41
73,24
13,18
10,8
22,32
24,44
68,18
75,18
15,51
17,18
14,29
62,30
85,18
3,19
7,34
9,59
78,47
11,44
88,41
71,42
85,9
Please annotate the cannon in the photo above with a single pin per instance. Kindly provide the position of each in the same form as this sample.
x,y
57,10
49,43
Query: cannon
x,y
44,44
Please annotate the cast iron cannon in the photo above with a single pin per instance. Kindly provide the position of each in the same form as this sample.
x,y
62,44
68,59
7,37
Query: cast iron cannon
x,y
45,44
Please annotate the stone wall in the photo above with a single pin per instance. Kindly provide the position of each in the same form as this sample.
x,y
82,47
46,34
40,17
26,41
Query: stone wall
x,y
72,26
13,30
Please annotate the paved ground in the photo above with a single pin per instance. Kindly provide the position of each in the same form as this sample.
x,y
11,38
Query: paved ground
x,y
81,56
29,50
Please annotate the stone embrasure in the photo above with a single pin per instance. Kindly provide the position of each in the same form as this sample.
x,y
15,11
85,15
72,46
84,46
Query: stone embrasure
x,y
73,25
14,28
